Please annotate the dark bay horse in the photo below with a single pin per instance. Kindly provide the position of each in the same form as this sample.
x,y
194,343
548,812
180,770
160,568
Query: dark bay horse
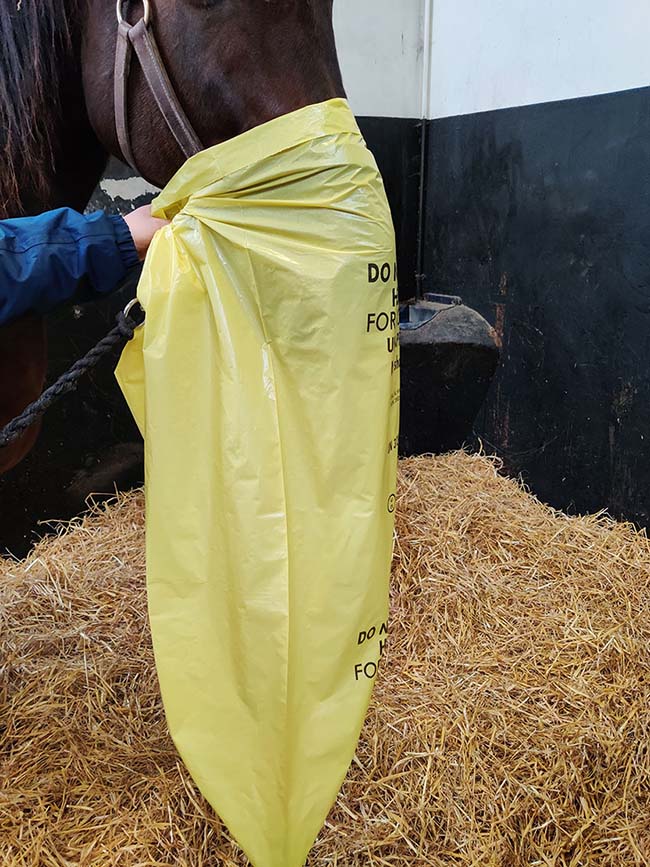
x,y
233,63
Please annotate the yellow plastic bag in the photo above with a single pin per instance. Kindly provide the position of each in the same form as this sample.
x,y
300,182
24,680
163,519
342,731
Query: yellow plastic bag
x,y
265,381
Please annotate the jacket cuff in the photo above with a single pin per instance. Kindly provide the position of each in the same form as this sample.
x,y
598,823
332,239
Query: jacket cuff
x,y
124,241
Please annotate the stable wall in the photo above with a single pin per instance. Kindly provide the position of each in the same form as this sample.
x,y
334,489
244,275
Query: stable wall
x,y
536,210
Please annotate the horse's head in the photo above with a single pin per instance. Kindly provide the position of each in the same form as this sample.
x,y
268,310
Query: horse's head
x,y
233,64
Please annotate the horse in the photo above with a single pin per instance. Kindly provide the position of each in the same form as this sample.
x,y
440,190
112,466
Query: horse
x,y
232,65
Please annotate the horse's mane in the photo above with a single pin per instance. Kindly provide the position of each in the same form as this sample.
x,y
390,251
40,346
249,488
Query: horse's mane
x,y
34,42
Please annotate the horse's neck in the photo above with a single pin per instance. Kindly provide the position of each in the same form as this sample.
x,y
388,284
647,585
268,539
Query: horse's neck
x,y
62,162
79,157
77,167
287,79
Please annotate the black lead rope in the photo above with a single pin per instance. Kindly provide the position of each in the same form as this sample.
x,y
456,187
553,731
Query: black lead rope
x,y
118,336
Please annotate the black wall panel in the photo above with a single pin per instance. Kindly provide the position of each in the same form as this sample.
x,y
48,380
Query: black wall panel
x,y
539,217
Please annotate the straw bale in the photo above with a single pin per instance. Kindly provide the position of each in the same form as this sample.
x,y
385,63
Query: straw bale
x,y
509,727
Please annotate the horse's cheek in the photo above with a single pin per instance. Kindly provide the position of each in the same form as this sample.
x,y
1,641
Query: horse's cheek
x,y
23,363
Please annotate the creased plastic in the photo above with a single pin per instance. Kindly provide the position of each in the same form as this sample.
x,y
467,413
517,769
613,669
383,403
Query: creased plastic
x,y
265,381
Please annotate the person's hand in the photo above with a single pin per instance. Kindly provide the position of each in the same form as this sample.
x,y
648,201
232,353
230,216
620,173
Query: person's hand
x,y
143,227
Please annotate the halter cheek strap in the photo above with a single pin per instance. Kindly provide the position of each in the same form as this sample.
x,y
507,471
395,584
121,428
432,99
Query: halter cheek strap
x,y
139,38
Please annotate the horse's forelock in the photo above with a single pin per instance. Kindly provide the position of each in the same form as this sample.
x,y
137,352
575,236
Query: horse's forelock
x,y
34,41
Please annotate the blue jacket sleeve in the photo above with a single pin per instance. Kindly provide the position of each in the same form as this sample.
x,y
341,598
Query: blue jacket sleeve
x,y
43,258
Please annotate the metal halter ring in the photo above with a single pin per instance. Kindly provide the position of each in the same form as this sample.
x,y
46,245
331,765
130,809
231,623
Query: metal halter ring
x,y
129,307
146,14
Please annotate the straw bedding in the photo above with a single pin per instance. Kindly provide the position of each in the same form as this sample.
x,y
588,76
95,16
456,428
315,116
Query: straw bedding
x,y
510,724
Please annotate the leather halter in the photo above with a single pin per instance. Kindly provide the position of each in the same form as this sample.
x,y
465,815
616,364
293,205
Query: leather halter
x,y
140,38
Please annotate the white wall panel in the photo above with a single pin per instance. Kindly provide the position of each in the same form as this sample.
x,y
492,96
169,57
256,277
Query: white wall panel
x,y
486,54
490,54
380,45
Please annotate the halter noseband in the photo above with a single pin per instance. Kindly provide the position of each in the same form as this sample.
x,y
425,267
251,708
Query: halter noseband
x,y
140,38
